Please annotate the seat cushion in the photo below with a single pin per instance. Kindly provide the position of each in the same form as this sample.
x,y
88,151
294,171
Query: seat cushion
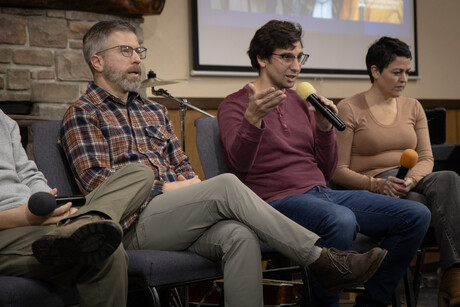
x,y
157,268
19,292
163,268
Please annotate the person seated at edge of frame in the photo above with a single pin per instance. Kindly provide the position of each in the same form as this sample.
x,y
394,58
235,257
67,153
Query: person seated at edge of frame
x,y
285,151
381,125
111,126
84,249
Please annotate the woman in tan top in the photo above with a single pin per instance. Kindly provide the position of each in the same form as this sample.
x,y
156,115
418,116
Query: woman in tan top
x,y
381,124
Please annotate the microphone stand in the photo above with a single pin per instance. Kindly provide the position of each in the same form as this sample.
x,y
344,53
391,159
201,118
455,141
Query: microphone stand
x,y
361,6
183,104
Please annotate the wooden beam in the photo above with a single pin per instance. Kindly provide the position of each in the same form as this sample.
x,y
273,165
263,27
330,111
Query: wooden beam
x,y
116,7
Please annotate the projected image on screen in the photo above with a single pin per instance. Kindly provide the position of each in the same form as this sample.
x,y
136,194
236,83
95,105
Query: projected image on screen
x,y
337,33
370,10
386,11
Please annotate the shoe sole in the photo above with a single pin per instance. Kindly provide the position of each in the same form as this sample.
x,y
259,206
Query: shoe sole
x,y
358,282
89,244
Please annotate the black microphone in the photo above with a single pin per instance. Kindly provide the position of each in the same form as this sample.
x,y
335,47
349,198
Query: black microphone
x,y
42,203
307,92
408,160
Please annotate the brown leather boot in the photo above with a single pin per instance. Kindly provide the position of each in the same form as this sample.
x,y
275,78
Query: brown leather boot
x,y
337,270
80,241
449,288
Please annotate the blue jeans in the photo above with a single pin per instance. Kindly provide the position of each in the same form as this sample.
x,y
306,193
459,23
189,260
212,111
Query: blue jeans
x,y
338,215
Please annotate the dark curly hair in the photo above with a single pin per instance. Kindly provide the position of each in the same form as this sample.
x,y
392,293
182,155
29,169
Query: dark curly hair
x,y
274,34
384,51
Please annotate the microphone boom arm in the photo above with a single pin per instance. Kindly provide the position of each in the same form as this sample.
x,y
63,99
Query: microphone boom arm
x,y
164,93
183,107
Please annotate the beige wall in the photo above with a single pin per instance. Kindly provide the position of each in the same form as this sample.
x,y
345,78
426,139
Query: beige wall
x,y
168,38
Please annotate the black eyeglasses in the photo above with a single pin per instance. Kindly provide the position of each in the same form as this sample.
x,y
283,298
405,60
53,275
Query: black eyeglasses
x,y
288,58
127,51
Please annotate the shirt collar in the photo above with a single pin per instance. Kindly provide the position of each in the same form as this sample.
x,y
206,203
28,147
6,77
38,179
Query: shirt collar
x,y
102,95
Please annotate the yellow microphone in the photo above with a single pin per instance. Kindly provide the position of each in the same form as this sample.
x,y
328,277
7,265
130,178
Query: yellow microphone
x,y
307,92
408,160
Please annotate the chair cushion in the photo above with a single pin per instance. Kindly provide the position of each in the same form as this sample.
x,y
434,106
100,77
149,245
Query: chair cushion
x,y
19,292
209,147
163,268
157,268
50,158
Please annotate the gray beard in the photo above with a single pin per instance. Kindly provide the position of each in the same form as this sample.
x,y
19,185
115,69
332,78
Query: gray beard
x,y
130,86
118,78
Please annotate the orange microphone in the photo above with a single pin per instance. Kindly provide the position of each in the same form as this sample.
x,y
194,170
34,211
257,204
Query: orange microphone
x,y
408,160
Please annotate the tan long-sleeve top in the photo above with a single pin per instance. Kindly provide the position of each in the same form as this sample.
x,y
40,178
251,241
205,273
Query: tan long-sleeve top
x,y
367,147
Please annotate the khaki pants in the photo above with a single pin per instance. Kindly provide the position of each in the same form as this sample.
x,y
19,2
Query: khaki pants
x,y
221,218
101,284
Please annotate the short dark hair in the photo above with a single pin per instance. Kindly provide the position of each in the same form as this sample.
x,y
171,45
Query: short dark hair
x,y
96,38
274,34
384,51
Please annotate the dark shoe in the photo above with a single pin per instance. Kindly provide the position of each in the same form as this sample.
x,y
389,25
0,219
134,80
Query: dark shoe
x,y
80,241
336,270
449,288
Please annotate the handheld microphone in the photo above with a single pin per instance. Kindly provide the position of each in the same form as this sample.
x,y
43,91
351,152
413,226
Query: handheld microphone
x,y
408,160
307,92
42,203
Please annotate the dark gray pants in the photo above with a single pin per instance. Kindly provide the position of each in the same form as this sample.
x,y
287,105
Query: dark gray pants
x,y
442,194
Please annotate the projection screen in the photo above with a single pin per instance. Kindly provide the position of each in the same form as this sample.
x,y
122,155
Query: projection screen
x,y
337,33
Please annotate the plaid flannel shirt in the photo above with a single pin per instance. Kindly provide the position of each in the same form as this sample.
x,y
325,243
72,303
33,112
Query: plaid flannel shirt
x,y
100,134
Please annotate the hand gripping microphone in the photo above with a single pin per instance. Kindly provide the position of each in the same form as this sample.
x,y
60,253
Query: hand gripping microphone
x,y
42,203
307,92
408,160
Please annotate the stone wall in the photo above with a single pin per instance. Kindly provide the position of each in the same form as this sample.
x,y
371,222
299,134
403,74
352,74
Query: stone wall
x,y
41,61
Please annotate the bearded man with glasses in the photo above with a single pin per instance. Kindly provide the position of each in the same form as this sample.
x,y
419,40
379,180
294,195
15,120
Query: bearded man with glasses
x,y
285,151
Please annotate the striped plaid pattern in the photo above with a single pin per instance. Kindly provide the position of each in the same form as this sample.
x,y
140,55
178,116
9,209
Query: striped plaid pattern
x,y
100,134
